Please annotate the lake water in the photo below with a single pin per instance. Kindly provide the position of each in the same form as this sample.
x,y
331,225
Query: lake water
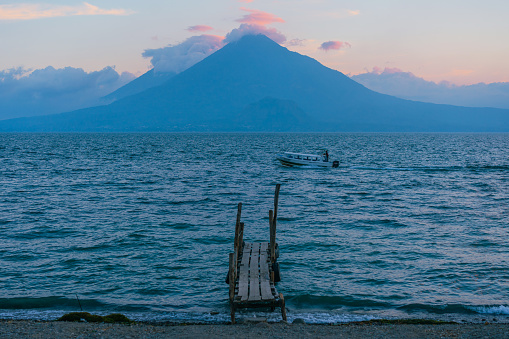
x,y
409,225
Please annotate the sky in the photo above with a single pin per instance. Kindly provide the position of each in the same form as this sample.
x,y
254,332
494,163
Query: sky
x,y
461,42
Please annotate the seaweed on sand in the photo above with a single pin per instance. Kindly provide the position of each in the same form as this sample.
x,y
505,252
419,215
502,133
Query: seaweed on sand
x,y
94,318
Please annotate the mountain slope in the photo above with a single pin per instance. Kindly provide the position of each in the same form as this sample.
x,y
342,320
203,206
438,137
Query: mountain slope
x,y
270,114
148,80
218,92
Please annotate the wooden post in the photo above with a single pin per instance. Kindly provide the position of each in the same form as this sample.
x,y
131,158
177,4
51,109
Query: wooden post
x,y
232,293
237,226
283,308
241,236
231,273
273,225
276,199
232,313
272,243
235,261
231,276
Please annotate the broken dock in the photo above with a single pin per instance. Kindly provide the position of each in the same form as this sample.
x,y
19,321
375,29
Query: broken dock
x,y
253,269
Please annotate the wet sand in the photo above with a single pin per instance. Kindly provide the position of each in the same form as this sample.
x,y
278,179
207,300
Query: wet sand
x,y
56,329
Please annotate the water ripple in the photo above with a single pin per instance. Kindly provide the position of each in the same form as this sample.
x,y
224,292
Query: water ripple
x,y
143,223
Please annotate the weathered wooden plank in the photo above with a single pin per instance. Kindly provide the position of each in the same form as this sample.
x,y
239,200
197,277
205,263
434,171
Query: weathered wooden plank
x,y
243,287
265,289
246,253
266,292
264,261
254,273
264,247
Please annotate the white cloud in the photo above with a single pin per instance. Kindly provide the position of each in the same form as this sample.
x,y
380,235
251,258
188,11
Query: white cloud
x,y
45,91
180,57
247,29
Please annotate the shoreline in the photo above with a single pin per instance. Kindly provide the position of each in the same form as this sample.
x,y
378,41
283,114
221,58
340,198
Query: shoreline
x,y
250,329
60,329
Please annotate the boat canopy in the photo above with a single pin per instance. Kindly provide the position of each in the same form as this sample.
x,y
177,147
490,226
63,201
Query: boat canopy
x,y
303,156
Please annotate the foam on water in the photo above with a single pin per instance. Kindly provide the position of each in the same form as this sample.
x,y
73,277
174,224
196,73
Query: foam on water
x,y
502,309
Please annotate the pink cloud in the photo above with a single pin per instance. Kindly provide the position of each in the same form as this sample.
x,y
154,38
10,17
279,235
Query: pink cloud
x,y
251,29
37,11
180,57
258,17
326,46
199,28
246,1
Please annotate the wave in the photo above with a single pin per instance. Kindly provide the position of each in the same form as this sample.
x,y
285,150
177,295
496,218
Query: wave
x,y
437,309
308,301
55,302
502,309
457,308
309,308
178,318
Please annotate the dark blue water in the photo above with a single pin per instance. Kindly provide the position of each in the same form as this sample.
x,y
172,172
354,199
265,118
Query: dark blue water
x,y
410,225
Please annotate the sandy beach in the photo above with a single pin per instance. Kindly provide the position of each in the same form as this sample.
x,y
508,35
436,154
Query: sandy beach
x,y
34,329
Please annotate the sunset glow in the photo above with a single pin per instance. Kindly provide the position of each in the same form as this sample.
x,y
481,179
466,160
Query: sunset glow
x,y
199,28
259,18
433,44
38,11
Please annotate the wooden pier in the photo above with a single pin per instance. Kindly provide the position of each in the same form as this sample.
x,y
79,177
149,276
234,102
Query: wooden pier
x,y
253,269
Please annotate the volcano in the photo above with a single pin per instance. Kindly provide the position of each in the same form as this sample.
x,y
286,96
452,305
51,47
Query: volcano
x,y
254,84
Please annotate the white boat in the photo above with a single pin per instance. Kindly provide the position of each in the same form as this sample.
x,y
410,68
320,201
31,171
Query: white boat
x,y
291,159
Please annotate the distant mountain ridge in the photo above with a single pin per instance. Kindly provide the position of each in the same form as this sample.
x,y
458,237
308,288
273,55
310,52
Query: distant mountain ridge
x,y
405,85
146,81
254,84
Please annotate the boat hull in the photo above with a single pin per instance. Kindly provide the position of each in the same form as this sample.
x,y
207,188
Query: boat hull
x,y
292,162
